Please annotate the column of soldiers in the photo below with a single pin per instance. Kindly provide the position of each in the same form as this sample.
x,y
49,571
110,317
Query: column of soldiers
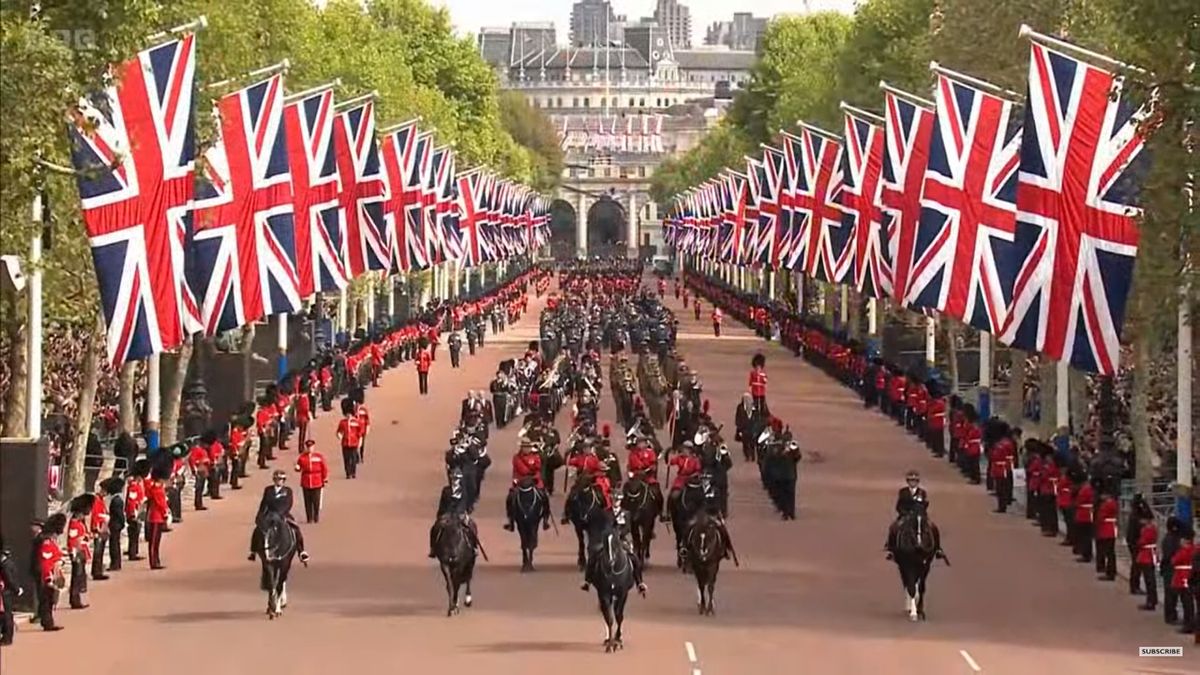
x,y
1067,489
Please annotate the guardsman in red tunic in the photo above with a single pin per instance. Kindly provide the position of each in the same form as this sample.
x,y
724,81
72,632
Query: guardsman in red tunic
x,y
896,390
1146,561
588,463
424,360
135,496
1106,537
1034,474
98,524
696,307
1001,456
314,476
1064,499
687,465
1047,496
376,363
643,465
971,448
527,473
364,425
219,466
200,464
1085,504
716,320
304,414
156,519
1181,571
758,383
50,564
238,439
79,548
349,433
957,427
935,426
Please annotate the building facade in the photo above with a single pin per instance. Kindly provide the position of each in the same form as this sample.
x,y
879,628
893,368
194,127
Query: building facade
x,y
676,19
740,34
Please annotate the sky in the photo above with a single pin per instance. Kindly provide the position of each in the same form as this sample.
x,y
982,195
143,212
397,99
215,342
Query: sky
x,y
470,15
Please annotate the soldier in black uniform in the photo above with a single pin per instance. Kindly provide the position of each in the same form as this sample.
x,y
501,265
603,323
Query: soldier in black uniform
x,y
454,342
277,498
452,503
112,489
907,498
10,590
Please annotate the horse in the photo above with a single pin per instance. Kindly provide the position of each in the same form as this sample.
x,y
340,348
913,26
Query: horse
x,y
610,569
642,508
456,558
276,553
529,507
706,548
585,503
917,543
692,499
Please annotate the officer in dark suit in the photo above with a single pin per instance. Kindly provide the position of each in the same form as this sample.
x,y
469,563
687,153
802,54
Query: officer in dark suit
x,y
276,498
112,488
912,493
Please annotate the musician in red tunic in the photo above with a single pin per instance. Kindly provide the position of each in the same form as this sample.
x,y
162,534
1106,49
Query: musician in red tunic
x,y
527,475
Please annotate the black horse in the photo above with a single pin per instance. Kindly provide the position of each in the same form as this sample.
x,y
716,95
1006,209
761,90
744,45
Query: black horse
x,y
917,543
528,506
276,553
642,503
706,547
456,557
690,501
610,569
585,503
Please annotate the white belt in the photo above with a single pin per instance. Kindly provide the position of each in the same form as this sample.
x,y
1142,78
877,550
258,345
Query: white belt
x,y
1182,568
1110,520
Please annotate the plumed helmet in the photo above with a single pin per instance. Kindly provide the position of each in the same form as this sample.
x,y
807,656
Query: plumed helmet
x,y
758,360
606,430
704,407
777,425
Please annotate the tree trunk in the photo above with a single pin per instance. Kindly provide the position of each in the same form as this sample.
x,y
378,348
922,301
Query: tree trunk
x,y
1077,382
1014,410
1047,372
855,316
18,367
174,373
951,332
126,412
1139,417
74,482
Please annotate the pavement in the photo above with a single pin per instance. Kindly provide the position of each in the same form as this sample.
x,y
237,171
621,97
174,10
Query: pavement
x,y
811,596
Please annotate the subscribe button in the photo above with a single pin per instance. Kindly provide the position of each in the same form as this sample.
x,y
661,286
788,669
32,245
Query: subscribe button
x,y
1160,651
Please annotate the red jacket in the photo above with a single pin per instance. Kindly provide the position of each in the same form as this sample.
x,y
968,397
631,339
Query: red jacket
x,y
896,387
587,462
50,555
198,460
644,461
1085,501
364,418
349,430
1147,546
216,451
1000,458
423,361
99,516
689,465
1106,519
971,437
314,471
758,382
1064,499
303,409
156,510
78,537
135,496
716,316
527,465
1034,475
936,414
1050,479
1181,565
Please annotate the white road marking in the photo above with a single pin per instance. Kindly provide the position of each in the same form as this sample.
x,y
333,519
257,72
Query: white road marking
x,y
691,650
696,671
970,661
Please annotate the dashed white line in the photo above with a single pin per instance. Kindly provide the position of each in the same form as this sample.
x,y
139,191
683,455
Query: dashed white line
x,y
691,650
696,671
970,661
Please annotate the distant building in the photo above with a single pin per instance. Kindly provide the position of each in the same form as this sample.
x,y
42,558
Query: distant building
x,y
740,34
676,19
593,23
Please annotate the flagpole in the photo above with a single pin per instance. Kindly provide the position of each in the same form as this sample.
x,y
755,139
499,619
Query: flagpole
x,y
930,340
311,91
153,400
1062,397
901,94
1183,410
988,87
859,112
281,67
1075,50
199,24
985,375
33,383
282,343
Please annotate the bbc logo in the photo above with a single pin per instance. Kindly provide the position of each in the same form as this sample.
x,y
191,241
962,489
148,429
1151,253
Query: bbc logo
x,y
1160,651
82,39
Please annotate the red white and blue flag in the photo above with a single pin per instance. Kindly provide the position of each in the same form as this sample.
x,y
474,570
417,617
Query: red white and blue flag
x,y
244,245
1077,210
908,128
772,230
962,263
407,245
134,148
320,228
861,169
415,194
364,189
818,192
444,162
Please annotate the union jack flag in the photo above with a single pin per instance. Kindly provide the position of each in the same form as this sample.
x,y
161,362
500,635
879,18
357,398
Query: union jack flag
x,y
399,162
469,186
772,229
133,146
446,214
757,238
816,204
908,129
961,263
244,245
364,188
435,248
414,194
1077,211
320,228
863,163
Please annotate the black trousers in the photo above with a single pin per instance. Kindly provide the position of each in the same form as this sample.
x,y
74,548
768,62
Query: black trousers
x,y
455,355
1106,558
78,585
422,382
1083,541
1147,575
8,627
47,597
1187,600
135,534
716,329
1031,497
201,488
1170,601
760,404
1049,515
154,534
471,348
312,504
972,464
214,480
99,544
937,442
175,502
1004,492
114,548
350,461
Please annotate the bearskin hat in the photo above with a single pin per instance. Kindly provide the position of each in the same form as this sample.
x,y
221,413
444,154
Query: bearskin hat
x,y
55,524
141,468
994,430
533,345
82,504
112,485
347,406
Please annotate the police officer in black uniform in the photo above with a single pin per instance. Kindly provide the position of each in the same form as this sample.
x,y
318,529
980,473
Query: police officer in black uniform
x,y
277,498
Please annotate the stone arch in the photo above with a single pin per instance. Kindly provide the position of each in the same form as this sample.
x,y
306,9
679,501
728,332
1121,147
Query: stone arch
x,y
607,227
563,223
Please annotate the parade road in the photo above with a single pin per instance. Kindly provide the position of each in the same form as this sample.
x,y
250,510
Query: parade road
x,y
811,596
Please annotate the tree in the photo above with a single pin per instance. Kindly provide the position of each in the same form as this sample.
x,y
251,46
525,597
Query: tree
x,y
530,128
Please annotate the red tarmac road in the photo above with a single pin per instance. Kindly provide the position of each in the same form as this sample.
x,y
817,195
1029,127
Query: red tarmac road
x,y
811,596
